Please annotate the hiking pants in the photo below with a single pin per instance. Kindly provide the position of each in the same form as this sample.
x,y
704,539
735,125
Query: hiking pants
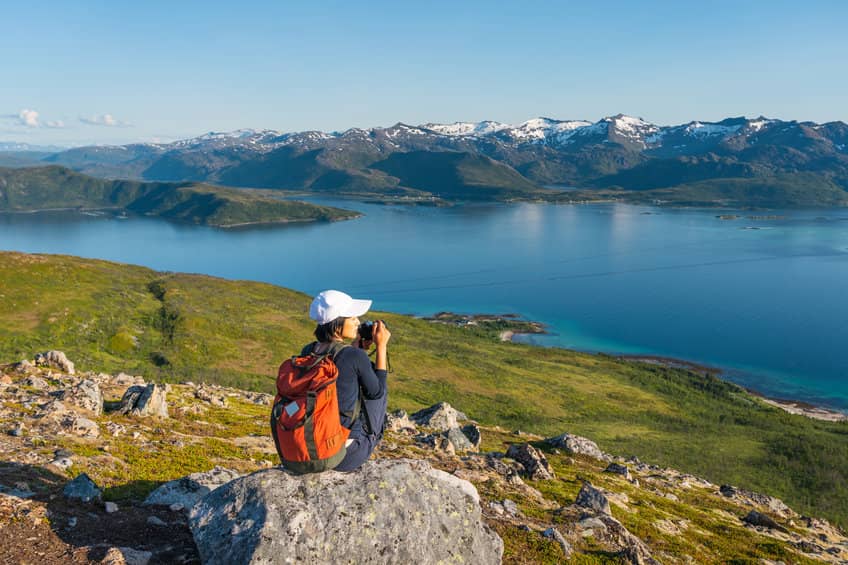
x,y
364,444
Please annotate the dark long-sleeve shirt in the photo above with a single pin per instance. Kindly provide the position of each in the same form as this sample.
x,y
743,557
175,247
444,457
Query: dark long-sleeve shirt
x,y
356,373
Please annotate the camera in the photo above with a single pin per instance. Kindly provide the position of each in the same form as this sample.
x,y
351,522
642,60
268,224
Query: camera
x,y
366,330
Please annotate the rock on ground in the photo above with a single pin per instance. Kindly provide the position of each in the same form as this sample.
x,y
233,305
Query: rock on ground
x,y
82,488
535,464
593,499
55,359
441,416
389,511
188,490
577,445
149,400
86,395
398,421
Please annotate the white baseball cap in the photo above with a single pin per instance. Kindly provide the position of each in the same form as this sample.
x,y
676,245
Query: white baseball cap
x,y
332,304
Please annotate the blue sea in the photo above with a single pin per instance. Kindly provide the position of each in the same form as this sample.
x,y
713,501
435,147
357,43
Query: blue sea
x,y
762,298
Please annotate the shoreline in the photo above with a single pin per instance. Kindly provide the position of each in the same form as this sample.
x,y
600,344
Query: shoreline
x,y
792,406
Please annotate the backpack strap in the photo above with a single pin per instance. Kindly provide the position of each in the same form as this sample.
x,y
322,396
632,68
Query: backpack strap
x,y
336,347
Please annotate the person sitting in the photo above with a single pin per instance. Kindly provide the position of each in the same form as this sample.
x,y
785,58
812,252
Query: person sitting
x,y
360,388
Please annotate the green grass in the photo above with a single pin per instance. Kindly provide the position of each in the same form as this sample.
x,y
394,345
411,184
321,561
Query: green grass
x,y
177,327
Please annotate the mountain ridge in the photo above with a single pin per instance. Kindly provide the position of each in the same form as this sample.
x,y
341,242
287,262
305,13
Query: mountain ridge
x,y
606,154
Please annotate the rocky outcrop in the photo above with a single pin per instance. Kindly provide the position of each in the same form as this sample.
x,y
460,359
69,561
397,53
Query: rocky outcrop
x,y
535,464
55,359
755,518
756,499
441,416
149,400
210,395
577,445
190,489
387,512
86,395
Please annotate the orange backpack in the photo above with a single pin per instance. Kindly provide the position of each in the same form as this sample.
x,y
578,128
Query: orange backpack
x,y
305,422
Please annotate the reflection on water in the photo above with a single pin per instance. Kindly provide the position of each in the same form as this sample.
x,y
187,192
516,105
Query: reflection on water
x,y
679,283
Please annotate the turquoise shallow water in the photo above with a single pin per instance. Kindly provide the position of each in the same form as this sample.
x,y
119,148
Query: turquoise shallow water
x,y
768,304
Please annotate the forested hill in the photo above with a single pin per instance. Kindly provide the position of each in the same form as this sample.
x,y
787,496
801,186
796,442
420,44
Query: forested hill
x,y
54,187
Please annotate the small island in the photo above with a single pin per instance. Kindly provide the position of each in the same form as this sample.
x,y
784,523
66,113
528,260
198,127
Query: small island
x,y
504,326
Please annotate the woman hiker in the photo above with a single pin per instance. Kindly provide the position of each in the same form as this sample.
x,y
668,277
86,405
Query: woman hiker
x,y
360,388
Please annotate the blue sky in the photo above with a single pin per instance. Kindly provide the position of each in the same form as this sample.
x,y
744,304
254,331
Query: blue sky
x,y
114,72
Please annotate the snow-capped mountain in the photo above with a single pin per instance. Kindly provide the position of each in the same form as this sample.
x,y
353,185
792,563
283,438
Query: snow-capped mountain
x,y
620,150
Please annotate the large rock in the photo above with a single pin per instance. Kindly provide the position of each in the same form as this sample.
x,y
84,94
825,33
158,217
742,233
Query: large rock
x,y
55,359
389,511
441,416
82,488
190,489
86,395
592,499
535,464
577,445
759,519
149,400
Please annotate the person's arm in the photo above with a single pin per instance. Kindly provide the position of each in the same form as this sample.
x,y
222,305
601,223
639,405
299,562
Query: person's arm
x,y
372,382
381,340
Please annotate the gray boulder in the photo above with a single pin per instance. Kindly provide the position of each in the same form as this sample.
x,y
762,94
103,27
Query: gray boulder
x,y
86,395
535,464
577,445
149,400
82,488
55,359
441,416
389,511
463,441
188,490
592,499
619,469
399,421
764,521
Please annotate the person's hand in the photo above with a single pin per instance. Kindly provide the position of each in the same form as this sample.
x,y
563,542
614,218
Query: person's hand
x,y
364,343
381,333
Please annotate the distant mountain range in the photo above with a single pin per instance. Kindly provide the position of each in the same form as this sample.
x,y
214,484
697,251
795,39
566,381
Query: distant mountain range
x,y
491,160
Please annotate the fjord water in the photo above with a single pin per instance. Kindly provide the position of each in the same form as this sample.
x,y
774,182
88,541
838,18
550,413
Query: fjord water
x,y
764,299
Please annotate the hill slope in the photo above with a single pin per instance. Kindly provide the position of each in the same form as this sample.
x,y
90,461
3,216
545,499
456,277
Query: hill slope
x,y
653,512
40,188
176,327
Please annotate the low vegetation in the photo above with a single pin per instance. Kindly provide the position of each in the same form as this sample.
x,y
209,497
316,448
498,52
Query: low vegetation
x,y
178,327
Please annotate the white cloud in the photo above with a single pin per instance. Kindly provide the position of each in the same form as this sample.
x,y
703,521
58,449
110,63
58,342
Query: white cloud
x,y
56,124
28,118
107,120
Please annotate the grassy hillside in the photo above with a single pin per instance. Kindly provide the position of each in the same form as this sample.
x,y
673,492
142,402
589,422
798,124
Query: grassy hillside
x,y
57,187
179,327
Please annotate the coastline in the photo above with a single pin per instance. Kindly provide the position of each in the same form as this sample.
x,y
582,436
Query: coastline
x,y
796,407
